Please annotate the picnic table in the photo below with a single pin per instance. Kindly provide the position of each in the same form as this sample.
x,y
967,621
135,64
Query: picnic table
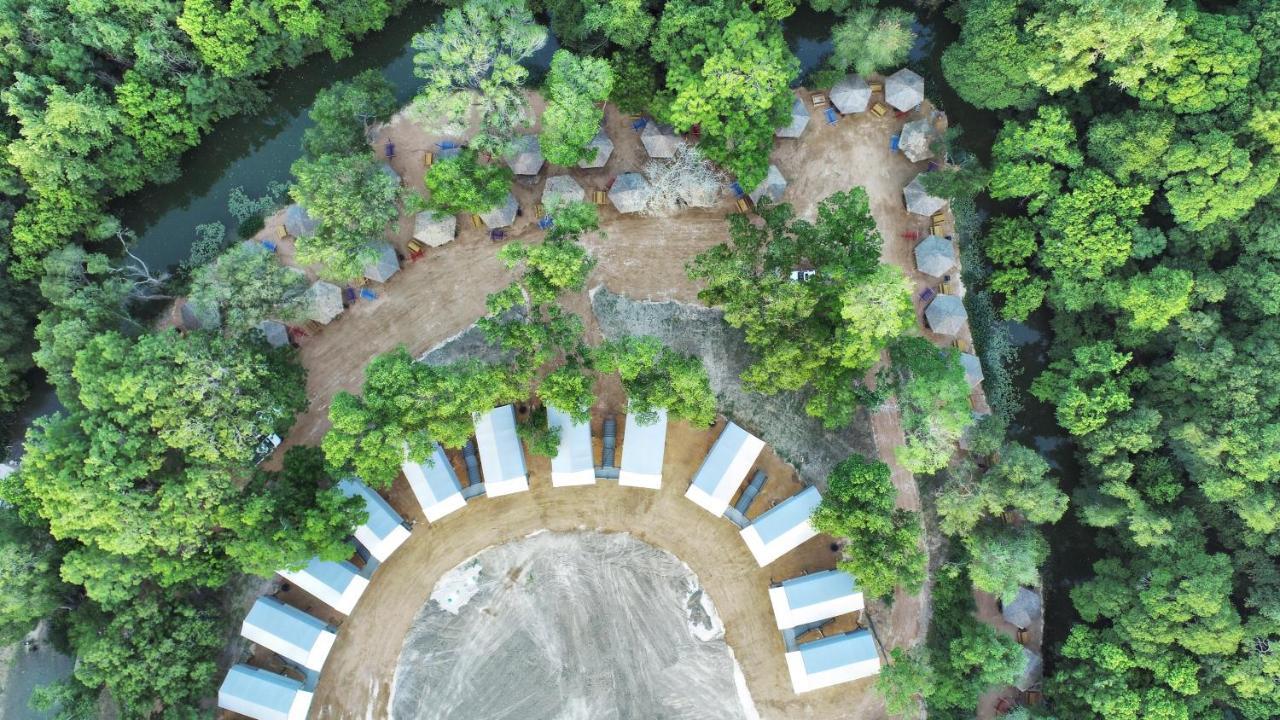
x,y
832,117
390,149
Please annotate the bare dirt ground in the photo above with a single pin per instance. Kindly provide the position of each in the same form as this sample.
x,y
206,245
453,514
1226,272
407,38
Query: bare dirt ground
x,y
443,293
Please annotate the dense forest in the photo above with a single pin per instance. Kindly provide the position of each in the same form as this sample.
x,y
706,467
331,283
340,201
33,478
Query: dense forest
x,y
1129,198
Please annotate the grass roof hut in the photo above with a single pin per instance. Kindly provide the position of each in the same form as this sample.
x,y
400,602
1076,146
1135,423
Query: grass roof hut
x,y
525,155
1025,609
560,191
946,315
434,229
604,148
297,222
324,302
503,215
799,121
904,89
275,332
200,316
772,186
630,192
385,266
919,201
660,141
935,256
916,140
851,95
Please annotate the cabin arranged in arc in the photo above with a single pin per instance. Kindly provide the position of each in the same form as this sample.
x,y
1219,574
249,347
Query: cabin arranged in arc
x,y
782,528
574,463
289,633
833,660
501,455
724,469
385,530
336,584
435,485
263,695
814,597
643,450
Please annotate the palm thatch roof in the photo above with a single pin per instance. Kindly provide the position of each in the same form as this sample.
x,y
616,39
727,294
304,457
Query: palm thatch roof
x,y
630,192
604,148
799,121
946,315
904,89
851,95
935,256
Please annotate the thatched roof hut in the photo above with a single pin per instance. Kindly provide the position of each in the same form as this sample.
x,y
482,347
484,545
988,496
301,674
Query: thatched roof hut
x,y
324,302
525,155
851,95
660,141
935,256
946,315
919,201
916,140
503,215
298,223
772,186
604,148
562,190
433,229
799,121
904,89
630,192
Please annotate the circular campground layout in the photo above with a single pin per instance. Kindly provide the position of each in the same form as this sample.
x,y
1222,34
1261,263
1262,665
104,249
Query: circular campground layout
x,y
379,659
582,625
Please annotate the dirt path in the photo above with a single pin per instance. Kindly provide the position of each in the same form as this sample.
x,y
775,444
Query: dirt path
x,y
643,258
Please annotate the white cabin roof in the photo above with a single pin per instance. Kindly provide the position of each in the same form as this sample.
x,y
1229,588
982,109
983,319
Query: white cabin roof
x,y
263,695
833,660
501,455
435,484
782,528
724,469
336,584
574,463
385,530
288,632
814,597
643,449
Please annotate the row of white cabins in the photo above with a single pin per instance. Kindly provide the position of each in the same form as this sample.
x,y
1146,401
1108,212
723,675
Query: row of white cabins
x,y
800,604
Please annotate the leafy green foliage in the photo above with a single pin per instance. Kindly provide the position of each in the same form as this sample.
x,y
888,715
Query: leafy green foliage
x,y
988,67
473,56
343,112
635,81
574,87
1003,558
354,201
821,334
871,39
29,585
625,23
882,545
405,408
733,83
933,400
248,285
656,377
1018,481
463,184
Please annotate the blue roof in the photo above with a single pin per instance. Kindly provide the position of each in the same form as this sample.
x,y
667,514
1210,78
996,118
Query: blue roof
x,y
790,513
838,651
718,462
258,693
336,575
817,588
286,622
382,519
442,481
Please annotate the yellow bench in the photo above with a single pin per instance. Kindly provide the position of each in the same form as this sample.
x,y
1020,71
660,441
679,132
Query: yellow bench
x,y
476,222
879,109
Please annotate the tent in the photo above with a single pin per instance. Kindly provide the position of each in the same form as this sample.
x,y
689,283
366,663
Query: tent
x,y
501,455
799,121
851,95
814,597
324,302
390,172
288,632
385,530
525,155
915,140
297,222
919,201
630,192
199,316
972,369
643,449
275,332
434,230
946,315
772,186
435,484
561,190
385,266
783,527
904,89
263,695
724,469
574,463
1032,670
336,584
604,148
935,256
660,141
503,215
833,660
1024,610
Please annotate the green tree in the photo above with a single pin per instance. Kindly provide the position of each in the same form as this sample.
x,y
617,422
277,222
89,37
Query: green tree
x,y
343,113
408,406
1132,144
354,200
1003,558
462,184
1211,64
29,585
472,57
574,88
871,39
625,23
635,81
655,377
1088,388
1018,481
1130,38
728,71
989,65
823,333
882,545
933,402
247,285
